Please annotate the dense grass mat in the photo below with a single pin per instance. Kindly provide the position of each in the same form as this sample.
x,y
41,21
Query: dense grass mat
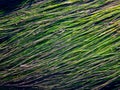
x,y
61,45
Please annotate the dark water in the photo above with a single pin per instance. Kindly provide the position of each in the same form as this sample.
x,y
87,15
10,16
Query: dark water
x,y
113,85
17,88
9,4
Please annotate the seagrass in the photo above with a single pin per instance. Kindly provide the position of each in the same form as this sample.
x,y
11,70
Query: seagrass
x,y
61,45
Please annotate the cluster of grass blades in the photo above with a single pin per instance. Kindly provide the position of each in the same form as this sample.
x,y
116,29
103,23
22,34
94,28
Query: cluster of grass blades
x,y
61,45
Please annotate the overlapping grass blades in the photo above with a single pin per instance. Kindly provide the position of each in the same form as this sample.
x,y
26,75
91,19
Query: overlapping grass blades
x,y
65,45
